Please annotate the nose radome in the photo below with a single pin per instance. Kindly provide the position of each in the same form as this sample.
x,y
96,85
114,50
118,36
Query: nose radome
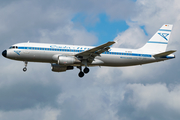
x,y
4,53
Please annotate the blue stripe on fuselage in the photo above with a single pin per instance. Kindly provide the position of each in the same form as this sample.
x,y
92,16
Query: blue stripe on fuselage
x,y
71,50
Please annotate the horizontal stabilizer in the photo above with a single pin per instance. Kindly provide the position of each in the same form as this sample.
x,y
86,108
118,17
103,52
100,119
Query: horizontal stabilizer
x,y
163,54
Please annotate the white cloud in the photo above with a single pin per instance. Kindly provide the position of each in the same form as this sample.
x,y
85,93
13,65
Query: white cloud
x,y
146,95
134,37
31,114
68,35
150,101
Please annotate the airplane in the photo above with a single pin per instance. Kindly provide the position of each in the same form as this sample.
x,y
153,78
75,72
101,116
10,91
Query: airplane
x,y
65,57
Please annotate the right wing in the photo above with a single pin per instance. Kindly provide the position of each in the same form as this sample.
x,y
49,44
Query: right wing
x,y
96,51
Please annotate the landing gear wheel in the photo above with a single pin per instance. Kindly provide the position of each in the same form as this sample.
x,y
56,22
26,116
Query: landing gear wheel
x,y
81,74
25,69
86,70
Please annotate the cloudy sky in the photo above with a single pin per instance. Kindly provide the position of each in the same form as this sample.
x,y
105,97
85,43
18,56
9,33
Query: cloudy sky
x,y
147,92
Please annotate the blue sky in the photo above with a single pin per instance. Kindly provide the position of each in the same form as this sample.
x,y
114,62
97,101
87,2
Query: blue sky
x,y
105,29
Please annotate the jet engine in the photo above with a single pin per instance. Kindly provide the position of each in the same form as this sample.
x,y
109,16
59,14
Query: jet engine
x,y
67,60
59,68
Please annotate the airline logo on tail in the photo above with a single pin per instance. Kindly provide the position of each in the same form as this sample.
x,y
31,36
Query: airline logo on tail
x,y
164,35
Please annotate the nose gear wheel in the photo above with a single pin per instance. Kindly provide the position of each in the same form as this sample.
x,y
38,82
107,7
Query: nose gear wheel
x,y
25,68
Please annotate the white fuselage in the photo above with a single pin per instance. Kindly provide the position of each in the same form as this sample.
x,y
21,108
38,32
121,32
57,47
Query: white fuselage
x,y
38,52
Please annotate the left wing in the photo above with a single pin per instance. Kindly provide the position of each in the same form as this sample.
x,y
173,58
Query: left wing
x,y
96,51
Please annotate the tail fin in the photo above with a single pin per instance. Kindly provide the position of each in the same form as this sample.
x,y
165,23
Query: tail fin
x,y
159,41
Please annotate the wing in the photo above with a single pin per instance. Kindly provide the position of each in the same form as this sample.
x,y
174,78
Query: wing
x,y
96,51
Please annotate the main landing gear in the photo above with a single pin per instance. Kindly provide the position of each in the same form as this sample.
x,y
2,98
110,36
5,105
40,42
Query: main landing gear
x,y
25,68
86,70
81,74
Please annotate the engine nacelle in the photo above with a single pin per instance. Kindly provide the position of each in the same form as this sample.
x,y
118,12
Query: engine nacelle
x,y
59,68
67,60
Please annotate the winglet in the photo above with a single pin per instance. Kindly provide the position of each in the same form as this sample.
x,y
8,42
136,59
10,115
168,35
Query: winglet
x,y
163,54
111,42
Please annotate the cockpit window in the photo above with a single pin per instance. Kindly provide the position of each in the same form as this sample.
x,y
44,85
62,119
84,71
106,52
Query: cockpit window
x,y
13,47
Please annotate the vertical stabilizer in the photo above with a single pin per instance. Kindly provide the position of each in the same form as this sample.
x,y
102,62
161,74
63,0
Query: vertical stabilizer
x,y
159,42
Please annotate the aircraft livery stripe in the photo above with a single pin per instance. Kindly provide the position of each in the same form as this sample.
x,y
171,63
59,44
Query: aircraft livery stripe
x,y
164,30
72,50
157,42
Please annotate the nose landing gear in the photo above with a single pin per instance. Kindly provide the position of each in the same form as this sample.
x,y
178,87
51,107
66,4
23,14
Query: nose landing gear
x,y
25,68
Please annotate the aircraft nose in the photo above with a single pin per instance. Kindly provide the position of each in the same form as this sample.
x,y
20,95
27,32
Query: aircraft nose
x,y
4,53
